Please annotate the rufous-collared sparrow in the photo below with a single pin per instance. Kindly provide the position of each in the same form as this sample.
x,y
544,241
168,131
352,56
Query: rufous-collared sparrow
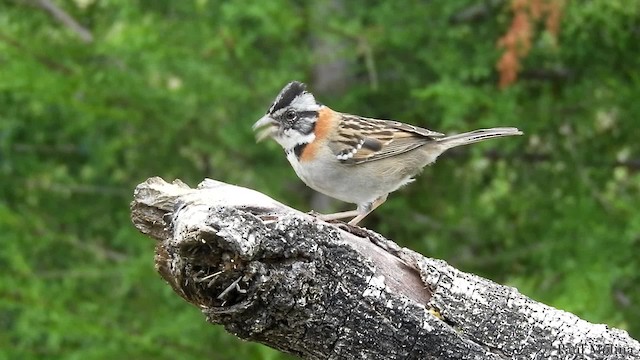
x,y
353,158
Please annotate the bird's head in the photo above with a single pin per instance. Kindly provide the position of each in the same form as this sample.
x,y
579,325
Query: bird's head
x,y
291,118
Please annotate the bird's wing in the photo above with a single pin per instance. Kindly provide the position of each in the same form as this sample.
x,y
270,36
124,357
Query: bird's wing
x,y
362,139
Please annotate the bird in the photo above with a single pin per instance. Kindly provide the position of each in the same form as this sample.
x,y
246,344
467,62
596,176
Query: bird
x,y
352,158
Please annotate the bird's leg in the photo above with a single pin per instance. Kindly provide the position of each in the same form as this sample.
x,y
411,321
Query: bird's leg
x,y
359,214
336,216
368,209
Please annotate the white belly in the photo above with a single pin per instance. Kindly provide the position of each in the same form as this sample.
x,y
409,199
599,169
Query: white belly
x,y
355,184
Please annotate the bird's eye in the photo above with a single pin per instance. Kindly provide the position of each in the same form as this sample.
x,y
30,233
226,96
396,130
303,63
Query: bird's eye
x,y
290,115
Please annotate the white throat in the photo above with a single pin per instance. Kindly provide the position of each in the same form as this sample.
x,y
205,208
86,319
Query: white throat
x,y
291,138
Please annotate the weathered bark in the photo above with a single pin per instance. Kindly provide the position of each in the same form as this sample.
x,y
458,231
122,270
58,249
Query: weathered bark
x,y
271,274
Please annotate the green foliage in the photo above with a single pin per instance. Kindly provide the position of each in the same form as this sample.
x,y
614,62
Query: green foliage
x,y
171,89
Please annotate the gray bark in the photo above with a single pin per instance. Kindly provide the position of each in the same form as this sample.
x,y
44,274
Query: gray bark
x,y
271,274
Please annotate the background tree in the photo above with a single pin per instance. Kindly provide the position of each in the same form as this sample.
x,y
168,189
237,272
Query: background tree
x,y
172,88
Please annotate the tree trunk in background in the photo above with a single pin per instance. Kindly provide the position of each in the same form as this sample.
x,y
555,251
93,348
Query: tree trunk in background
x,y
271,274
331,67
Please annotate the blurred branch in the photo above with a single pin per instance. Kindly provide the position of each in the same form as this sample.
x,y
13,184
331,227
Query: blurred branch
x,y
65,149
273,275
364,49
528,157
585,176
52,65
75,189
97,249
549,74
476,12
65,19
631,164
493,155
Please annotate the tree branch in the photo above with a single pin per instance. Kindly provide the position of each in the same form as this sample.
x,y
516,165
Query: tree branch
x,y
476,12
65,19
50,64
271,274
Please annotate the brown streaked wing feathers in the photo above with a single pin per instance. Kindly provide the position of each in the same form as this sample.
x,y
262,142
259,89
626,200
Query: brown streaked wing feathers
x,y
379,139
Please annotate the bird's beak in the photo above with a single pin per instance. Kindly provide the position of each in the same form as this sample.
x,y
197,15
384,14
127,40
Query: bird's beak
x,y
269,123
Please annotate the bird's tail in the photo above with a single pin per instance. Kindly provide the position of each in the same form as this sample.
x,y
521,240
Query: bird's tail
x,y
476,136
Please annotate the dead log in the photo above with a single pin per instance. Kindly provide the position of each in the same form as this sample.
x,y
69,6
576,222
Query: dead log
x,y
271,274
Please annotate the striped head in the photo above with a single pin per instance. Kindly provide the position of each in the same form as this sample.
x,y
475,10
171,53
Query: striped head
x,y
291,118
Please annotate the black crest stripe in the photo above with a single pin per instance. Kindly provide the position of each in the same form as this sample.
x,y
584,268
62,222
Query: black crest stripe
x,y
287,94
